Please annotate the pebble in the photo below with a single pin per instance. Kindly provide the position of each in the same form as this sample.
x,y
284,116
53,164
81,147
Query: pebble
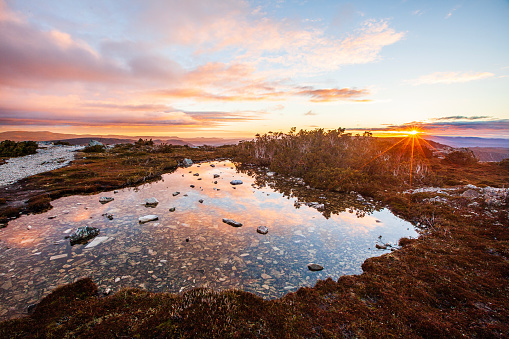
x,y
46,159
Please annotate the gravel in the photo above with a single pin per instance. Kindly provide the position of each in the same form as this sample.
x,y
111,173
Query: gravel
x,y
46,159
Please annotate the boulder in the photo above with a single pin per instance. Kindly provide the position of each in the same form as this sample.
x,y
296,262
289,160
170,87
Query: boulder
x,y
82,234
262,229
232,222
95,143
236,182
187,162
315,267
147,218
151,202
471,194
104,200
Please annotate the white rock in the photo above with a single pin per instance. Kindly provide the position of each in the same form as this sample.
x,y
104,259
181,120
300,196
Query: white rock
x,y
147,218
96,241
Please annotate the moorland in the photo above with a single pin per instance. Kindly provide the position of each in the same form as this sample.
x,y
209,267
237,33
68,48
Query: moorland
x,y
452,281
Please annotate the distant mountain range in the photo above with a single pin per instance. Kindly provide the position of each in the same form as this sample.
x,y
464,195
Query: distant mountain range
x,y
469,141
75,139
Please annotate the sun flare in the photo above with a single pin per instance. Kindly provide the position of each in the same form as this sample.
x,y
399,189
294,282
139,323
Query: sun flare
x,y
414,132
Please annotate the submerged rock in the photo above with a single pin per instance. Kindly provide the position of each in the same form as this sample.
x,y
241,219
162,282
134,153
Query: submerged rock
x,y
232,222
104,200
151,202
262,229
83,234
147,218
236,182
315,267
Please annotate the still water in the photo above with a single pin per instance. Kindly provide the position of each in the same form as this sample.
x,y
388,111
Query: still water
x,y
192,247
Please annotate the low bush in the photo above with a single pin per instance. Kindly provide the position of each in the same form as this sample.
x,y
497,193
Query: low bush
x,y
10,148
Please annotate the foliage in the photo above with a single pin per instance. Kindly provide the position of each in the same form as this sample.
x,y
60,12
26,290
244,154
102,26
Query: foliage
x,y
462,156
94,149
62,143
10,148
336,160
142,142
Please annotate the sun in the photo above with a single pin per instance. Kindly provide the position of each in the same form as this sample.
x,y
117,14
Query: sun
x,y
413,132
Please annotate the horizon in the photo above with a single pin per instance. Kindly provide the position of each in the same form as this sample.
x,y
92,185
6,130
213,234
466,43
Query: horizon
x,y
232,69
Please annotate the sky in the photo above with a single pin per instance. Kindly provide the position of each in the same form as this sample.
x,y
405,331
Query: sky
x,y
234,68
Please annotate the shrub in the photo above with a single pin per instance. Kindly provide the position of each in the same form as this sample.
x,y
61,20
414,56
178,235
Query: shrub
x,y
10,148
94,149
461,157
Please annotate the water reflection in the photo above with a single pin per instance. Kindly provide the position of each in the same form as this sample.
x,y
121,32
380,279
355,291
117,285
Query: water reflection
x,y
339,235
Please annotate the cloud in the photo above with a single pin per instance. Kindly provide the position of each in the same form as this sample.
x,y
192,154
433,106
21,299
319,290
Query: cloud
x,y
455,125
461,117
210,27
450,77
333,94
310,113
452,11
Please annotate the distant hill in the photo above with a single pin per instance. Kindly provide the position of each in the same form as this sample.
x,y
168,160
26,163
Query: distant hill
x,y
469,141
491,153
80,139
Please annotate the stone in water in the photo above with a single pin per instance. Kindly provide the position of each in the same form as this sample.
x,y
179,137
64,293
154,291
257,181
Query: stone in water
x,y
232,222
315,267
104,200
151,202
236,182
83,233
147,218
262,229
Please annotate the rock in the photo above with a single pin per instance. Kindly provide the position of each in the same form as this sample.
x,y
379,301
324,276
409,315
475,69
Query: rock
x,y
83,233
212,165
381,247
52,217
107,215
151,202
107,291
236,182
29,227
200,201
315,267
104,200
262,229
216,176
192,186
196,174
175,194
60,256
199,179
232,222
215,182
472,194
95,143
115,191
96,242
266,276
172,209
147,218
187,162
187,239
